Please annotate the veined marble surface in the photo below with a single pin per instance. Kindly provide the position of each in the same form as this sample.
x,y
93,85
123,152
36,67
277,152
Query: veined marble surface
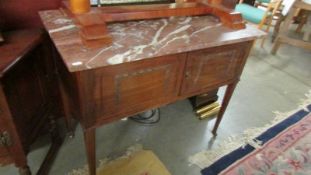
x,y
137,40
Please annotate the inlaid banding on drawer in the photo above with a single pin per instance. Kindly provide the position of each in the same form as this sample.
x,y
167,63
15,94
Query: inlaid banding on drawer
x,y
225,69
211,68
135,86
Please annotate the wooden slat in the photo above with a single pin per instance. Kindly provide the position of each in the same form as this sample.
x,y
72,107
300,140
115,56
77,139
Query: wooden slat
x,y
153,11
303,5
295,42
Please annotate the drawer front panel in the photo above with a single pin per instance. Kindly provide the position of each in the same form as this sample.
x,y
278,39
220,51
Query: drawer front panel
x,y
129,88
145,84
212,67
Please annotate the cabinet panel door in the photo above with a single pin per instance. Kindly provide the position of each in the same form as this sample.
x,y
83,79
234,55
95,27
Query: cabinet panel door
x,y
212,67
128,88
6,126
25,89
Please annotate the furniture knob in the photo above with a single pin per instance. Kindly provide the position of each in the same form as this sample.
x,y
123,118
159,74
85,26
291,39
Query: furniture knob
x,y
187,75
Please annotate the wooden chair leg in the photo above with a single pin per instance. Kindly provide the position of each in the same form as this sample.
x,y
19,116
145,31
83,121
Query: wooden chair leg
x,y
283,30
264,38
262,42
89,140
269,22
307,33
260,26
288,21
277,27
303,20
225,102
276,46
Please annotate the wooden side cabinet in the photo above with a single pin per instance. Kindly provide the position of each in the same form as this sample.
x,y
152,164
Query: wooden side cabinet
x,y
27,97
100,96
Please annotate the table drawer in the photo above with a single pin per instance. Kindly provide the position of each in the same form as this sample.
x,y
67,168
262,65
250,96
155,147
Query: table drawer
x,y
212,67
122,90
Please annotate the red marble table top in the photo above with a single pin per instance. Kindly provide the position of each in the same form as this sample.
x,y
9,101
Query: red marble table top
x,y
137,40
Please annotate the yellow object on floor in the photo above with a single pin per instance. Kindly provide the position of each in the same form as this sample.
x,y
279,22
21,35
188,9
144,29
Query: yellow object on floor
x,y
139,163
210,113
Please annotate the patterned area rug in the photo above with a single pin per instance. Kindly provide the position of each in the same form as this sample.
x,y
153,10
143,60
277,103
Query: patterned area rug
x,y
284,148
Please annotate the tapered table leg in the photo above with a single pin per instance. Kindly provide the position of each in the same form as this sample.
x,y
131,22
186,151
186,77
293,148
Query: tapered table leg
x,y
89,139
225,102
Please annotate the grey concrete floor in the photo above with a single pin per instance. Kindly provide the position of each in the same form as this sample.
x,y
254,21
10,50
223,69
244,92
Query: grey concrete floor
x,y
269,83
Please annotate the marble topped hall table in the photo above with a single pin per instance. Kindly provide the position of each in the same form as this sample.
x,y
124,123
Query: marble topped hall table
x,y
149,64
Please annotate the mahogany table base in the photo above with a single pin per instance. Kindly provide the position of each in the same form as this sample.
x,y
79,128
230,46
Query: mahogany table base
x,y
90,134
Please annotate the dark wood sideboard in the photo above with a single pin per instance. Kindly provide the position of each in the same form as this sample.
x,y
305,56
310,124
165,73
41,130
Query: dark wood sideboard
x,y
149,64
27,97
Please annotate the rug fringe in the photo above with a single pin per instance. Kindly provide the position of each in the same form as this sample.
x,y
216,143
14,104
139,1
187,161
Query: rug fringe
x,y
205,158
